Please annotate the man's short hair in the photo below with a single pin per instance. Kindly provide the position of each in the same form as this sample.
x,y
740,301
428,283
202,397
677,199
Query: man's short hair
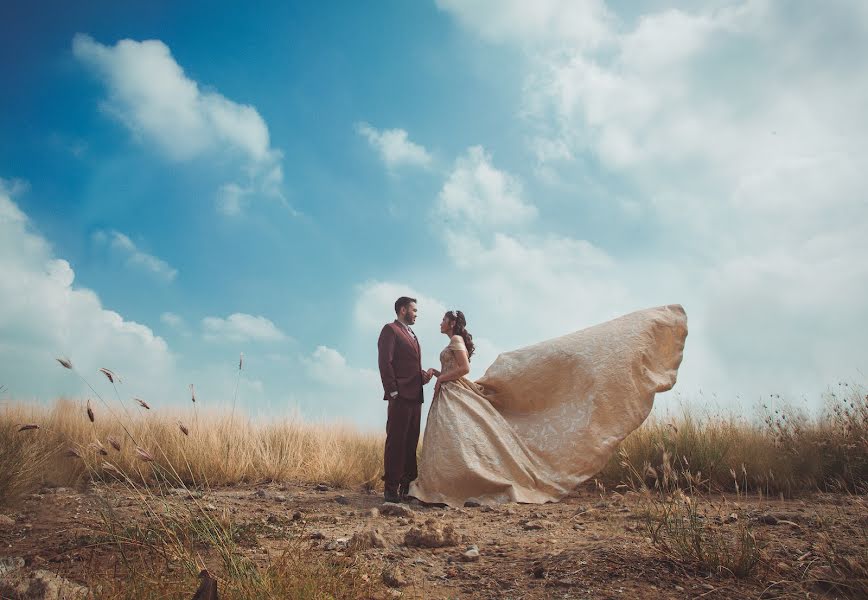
x,y
401,302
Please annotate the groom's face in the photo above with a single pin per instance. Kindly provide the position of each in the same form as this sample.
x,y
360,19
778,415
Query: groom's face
x,y
408,313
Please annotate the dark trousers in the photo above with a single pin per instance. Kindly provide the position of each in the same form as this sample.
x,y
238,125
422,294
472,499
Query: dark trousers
x,y
402,437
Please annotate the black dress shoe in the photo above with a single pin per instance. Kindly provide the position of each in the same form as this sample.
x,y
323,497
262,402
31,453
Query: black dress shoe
x,y
403,490
391,496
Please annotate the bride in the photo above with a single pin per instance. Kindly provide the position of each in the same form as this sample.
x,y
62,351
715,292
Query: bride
x,y
543,418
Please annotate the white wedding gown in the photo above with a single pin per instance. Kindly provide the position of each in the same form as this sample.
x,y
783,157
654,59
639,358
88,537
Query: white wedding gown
x,y
547,417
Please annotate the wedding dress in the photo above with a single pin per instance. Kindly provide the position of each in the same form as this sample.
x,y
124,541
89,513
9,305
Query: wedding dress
x,y
547,417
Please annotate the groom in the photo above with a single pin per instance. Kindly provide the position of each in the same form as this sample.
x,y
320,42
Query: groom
x,y
400,359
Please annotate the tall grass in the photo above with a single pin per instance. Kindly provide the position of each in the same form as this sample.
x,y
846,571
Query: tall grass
x,y
282,450
786,453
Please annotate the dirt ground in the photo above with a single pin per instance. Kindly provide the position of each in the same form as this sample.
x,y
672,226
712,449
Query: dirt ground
x,y
591,545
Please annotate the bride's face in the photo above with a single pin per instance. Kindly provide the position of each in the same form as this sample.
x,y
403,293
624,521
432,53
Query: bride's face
x,y
446,325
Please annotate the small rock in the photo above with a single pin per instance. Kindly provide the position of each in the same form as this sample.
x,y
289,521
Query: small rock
x,y
279,498
317,535
338,543
538,571
297,516
432,534
322,487
401,521
472,504
471,554
41,584
186,493
535,525
210,507
487,509
272,519
373,513
9,564
395,510
6,521
365,540
767,519
260,493
342,500
394,577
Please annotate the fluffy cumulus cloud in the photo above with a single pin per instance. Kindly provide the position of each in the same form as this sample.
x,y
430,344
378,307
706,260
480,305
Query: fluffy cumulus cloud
x,y
394,147
741,130
153,97
43,315
241,327
328,367
478,193
135,258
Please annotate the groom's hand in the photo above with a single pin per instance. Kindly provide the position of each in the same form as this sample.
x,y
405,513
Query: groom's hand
x,y
426,376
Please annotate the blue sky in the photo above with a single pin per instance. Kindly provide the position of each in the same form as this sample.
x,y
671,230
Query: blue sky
x,y
182,183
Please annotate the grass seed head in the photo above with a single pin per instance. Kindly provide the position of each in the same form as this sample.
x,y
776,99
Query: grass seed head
x,y
97,446
109,375
142,403
183,428
65,362
144,455
89,411
114,442
28,427
73,453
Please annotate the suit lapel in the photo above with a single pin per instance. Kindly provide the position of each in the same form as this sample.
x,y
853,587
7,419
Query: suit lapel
x,y
414,343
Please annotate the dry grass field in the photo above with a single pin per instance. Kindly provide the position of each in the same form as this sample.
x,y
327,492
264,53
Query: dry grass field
x,y
134,501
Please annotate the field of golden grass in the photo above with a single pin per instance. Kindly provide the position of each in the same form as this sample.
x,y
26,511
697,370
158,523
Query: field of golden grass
x,y
784,453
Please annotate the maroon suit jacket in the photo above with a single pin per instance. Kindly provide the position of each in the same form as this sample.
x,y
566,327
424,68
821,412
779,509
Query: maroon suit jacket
x,y
400,361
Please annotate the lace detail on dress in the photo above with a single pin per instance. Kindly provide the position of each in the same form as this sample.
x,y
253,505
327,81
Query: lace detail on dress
x,y
447,356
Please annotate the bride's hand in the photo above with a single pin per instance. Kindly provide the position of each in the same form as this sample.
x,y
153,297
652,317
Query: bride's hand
x,y
433,373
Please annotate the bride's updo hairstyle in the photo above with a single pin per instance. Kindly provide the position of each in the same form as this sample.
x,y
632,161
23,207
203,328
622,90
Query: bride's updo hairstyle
x,y
459,327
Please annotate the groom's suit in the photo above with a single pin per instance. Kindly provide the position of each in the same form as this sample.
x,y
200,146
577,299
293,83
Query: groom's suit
x,y
400,359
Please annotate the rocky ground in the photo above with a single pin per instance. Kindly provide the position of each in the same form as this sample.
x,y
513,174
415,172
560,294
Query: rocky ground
x,y
591,545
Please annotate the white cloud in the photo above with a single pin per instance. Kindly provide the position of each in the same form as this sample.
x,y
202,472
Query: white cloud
x,y
43,315
477,193
172,320
741,134
241,327
124,247
395,147
586,23
328,367
150,94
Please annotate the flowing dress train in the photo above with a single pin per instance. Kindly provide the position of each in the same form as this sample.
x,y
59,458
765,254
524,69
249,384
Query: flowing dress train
x,y
546,417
